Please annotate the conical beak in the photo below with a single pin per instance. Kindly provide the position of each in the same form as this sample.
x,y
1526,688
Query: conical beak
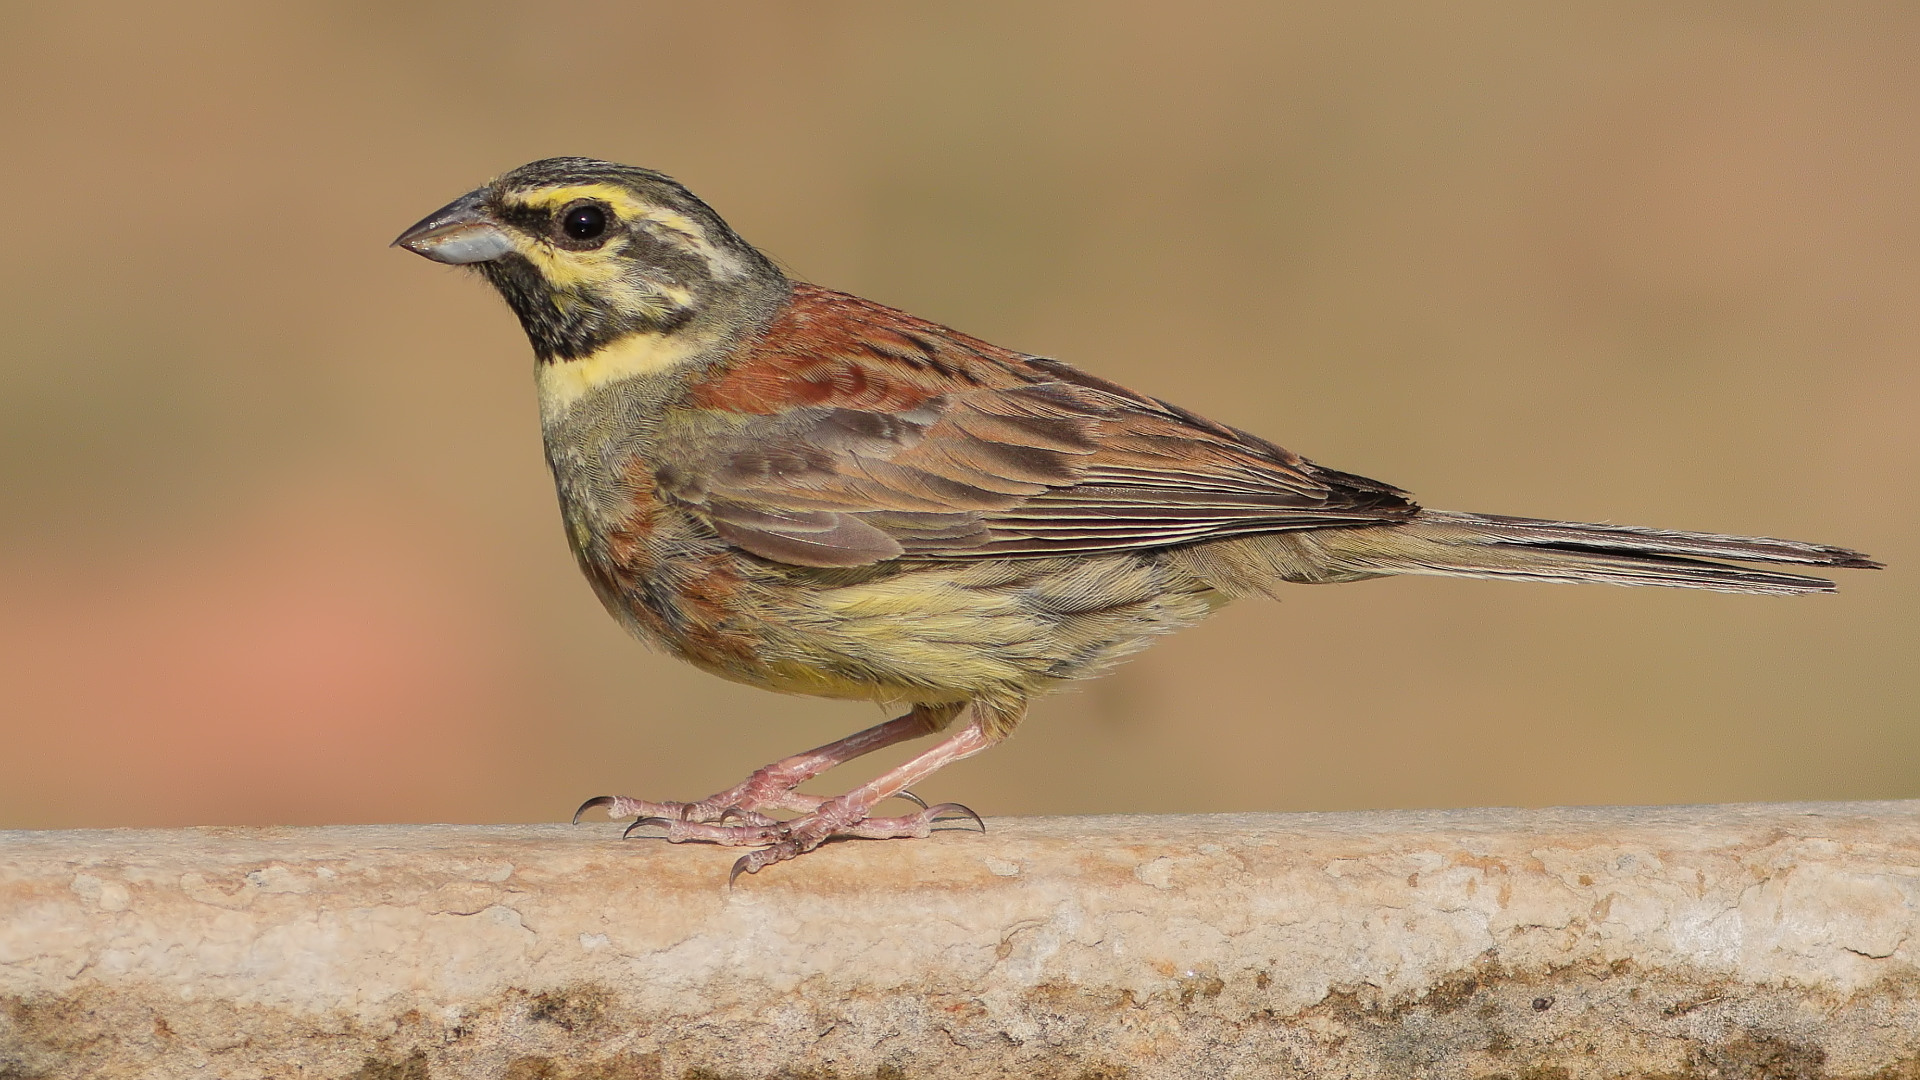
x,y
458,233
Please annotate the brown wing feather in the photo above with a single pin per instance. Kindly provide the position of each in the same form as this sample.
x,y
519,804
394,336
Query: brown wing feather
x,y
854,433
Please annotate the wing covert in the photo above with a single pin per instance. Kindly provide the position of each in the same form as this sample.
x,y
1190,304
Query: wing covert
x,y
880,436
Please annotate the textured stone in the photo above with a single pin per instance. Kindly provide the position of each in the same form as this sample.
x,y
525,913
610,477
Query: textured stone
x,y
1767,942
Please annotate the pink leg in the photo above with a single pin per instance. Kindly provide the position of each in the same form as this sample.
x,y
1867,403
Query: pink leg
x,y
771,788
846,816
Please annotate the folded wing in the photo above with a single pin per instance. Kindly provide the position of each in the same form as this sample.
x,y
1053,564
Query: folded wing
x,y
870,435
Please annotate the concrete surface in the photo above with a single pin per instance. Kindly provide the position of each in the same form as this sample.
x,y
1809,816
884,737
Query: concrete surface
x,y
1770,942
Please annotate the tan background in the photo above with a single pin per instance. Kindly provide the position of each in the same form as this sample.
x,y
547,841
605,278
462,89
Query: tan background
x,y
277,543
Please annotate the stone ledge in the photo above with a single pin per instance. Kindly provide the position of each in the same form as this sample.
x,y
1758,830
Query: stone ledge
x,y
1719,941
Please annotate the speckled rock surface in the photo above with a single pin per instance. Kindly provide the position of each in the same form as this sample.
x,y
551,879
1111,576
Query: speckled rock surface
x,y
1713,942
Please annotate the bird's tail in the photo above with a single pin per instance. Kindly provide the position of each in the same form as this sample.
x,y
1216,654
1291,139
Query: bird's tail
x,y
1450,544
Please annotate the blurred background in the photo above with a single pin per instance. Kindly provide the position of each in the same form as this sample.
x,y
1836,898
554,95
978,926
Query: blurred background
x,y
277,544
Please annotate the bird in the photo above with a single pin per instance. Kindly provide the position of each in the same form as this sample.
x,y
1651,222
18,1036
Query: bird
x,y
813,493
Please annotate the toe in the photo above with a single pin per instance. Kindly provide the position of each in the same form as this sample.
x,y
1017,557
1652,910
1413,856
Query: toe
x,y
680,831
755,861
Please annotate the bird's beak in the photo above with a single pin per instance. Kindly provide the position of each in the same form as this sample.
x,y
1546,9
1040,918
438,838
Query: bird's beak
x,y
458,233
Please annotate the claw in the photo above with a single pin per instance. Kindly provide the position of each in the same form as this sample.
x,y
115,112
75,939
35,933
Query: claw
x,y
760,858
955,811
597,800
638,822
916,800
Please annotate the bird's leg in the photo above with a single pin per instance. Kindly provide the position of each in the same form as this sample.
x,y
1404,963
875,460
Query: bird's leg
x,y
847,815
771,787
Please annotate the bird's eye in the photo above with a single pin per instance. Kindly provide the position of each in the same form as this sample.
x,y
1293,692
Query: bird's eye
x,y
584,222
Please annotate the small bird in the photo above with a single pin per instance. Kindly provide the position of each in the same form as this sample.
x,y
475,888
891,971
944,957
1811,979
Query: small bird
x,y
805,491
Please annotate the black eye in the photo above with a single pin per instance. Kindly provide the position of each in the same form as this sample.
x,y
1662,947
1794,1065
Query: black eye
x,y
584,222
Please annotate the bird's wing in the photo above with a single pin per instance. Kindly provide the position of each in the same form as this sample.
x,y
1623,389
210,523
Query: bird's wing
x,y
854,433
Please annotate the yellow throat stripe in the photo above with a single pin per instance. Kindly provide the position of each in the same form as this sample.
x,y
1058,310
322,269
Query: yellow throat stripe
x,y
563,382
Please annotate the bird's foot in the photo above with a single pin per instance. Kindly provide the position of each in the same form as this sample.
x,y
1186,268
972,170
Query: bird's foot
x,y
747,803
833,819
739,816
842,819
771,788
748,813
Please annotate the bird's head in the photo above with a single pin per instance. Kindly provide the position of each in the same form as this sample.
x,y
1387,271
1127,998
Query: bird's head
x,y
588,253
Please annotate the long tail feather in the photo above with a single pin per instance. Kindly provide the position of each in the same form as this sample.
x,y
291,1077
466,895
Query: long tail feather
x,y
1484,545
